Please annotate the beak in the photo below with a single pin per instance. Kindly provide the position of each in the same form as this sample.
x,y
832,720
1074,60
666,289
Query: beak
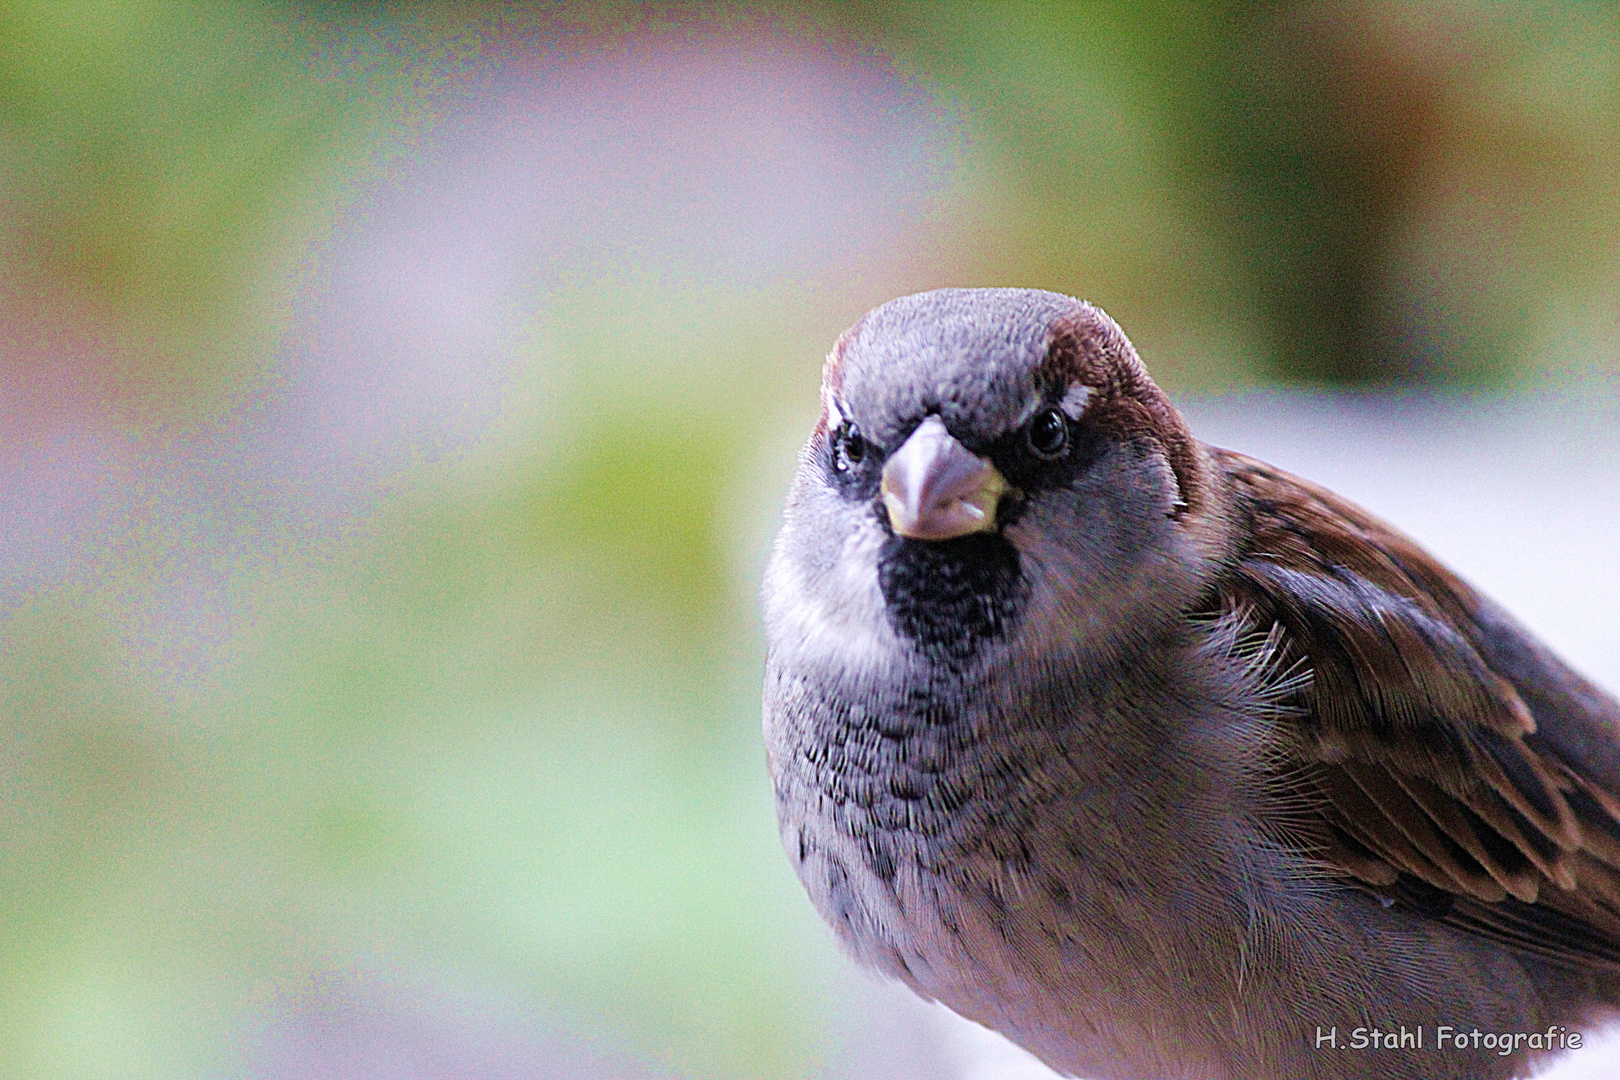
x,y
936,489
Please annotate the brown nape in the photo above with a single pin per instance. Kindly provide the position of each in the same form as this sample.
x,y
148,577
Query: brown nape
x,y
1089,348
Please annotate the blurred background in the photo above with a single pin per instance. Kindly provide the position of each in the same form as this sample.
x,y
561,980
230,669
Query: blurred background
x,y
397,400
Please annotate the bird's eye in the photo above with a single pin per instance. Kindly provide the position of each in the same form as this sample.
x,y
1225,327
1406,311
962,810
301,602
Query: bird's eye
x,y
849,448
1049,433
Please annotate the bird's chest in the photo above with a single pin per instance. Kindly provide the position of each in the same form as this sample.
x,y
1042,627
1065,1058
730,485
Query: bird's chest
x,y
920,873
879,797
952,846
1004,868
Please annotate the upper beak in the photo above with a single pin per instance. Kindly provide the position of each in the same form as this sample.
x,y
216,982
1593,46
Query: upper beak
x,y
935,488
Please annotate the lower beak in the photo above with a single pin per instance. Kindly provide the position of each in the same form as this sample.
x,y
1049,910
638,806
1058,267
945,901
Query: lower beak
x,y
935,488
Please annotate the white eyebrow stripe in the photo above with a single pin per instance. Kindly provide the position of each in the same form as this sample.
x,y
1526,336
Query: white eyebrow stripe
x,y
835,418
1074,400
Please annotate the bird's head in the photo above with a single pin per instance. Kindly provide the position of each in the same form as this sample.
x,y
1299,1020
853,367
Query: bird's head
x,y
993,469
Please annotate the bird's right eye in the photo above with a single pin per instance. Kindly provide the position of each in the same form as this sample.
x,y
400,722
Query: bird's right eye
x,y
849,448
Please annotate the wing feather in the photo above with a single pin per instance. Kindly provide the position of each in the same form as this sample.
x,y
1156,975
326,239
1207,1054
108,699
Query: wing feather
x,y
1415,763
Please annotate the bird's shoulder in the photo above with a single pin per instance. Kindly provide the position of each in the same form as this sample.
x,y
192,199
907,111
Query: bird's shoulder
x,y
1436,754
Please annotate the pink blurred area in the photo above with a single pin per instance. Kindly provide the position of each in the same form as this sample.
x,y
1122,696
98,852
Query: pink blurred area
x,y
713,162
722,164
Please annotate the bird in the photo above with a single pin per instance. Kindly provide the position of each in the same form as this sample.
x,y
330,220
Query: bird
x,y
1156,759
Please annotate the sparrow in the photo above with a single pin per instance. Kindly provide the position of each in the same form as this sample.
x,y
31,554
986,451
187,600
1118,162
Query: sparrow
x,y
1160,761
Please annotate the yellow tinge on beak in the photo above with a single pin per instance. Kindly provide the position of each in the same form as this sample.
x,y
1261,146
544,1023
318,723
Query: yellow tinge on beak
x,y
935,488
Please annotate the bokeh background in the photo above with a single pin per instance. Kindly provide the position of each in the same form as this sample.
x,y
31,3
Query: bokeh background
x,y
396,401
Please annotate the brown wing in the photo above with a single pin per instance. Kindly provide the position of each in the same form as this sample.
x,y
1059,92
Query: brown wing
x,y
1412,760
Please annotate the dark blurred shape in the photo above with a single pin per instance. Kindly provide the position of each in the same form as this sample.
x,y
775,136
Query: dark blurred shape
x,y
1299,132
1323,129
1413,193
1357,192
1325,125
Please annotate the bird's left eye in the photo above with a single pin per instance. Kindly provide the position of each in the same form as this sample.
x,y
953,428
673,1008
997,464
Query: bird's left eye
x,y
849,448
1049,433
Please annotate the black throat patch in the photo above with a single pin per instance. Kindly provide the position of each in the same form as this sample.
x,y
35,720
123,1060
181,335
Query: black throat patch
x,y
950,596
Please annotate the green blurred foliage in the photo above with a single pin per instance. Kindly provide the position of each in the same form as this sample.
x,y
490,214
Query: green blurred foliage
x,y
152,147
1344,131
